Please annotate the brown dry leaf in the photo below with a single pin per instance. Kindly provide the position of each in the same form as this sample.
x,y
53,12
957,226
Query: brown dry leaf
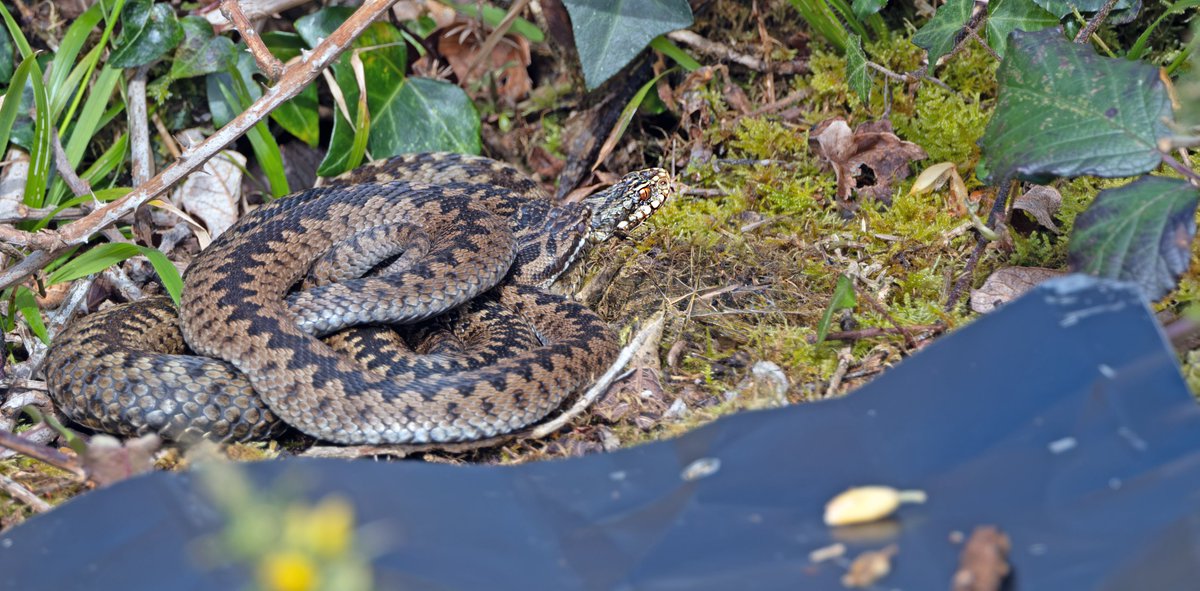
x,y
507,63
107,461
1042,203
935,177
983,564
213,193
1008,283
869,567
866,161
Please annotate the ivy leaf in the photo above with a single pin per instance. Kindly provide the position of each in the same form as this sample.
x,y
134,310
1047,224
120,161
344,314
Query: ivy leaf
x,y
1061,8
148,32
1064,111
857,76
941,33
201,52
1141,232
406,114
610,33
1006,16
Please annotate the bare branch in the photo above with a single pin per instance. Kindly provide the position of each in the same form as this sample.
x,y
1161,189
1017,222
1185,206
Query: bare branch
x,y
268,64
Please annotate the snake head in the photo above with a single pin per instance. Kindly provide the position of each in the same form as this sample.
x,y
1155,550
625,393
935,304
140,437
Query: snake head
x,y
626,204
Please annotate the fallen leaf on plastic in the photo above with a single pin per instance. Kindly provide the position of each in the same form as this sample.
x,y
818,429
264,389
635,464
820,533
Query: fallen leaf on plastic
x,y
1042,203
1008,283
983,564
869,567
212,194
867,161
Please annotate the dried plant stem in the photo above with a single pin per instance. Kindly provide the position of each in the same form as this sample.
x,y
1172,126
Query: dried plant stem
x,y
48,243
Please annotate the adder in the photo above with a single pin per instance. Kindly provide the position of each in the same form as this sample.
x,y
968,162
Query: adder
x,y
431,232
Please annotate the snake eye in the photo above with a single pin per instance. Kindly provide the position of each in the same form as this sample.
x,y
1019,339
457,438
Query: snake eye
x,y
644,193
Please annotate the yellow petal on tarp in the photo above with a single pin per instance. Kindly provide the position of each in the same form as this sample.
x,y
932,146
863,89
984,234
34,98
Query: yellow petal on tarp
x,y
868,503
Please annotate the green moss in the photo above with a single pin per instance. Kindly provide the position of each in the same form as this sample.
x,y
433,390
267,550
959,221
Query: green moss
x,y
947,124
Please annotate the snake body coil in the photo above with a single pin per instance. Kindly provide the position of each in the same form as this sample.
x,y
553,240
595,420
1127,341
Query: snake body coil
x,y
120,370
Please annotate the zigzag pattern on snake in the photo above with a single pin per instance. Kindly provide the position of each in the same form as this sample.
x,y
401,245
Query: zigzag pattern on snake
x,y
259,359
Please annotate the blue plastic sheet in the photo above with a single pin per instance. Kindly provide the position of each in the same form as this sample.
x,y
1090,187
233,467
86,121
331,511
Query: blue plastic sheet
x,y
1060,418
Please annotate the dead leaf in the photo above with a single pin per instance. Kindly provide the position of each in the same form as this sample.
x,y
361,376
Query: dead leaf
x,y
983,564
1042,203
867,161
212,194
507,63
1008,283
869,567
935,177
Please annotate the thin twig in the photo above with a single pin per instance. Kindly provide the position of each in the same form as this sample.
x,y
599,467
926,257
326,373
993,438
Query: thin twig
x,y
870,333
47,244
1087,31
18,491
62,166
1181,168
42,453
268,64
726,53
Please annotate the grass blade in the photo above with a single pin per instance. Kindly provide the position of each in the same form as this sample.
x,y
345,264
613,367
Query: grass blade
x,y
12,102
42,151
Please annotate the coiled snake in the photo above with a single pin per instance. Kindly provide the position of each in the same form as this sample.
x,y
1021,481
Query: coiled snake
x,y
446,229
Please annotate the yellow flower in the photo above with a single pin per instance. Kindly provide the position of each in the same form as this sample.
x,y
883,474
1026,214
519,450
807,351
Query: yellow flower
x,y
330,526
287,571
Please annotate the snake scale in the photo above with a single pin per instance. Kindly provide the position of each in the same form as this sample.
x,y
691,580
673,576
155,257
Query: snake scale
x,y
456,247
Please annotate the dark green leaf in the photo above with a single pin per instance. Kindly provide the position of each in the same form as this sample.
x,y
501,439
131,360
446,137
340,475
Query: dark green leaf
x,y
148,32
283,45
1141,232
1006,16
864,8
941,33
318,25
843,299
610,33
1064,111
6,59
222,110
201,52
857,76
423,115
1061,8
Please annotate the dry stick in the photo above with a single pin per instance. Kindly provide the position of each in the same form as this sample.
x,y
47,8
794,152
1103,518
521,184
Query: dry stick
x,y
28,214
42,453
139,131
18,491
47,244
268,64
723,52
1086,32
908,338
870,333
489,44
77,185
